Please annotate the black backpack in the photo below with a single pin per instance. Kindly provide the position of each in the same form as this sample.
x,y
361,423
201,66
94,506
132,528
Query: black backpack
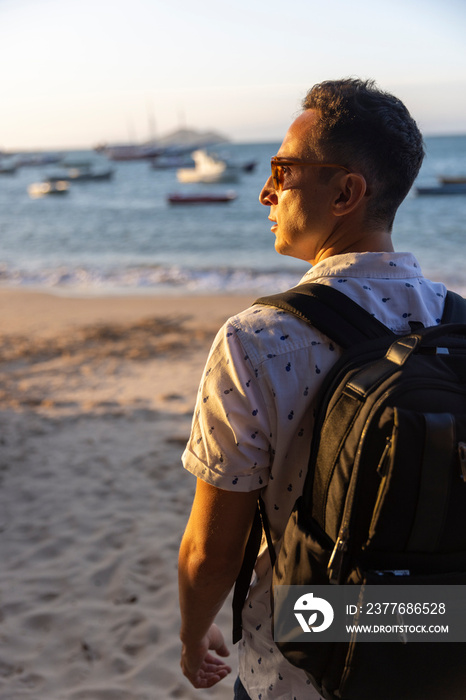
x,y
385,492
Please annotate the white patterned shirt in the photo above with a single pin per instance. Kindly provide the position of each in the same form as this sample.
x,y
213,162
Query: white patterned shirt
x,y
253,421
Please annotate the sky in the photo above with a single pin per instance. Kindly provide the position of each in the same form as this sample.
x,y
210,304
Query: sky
x,y
75,73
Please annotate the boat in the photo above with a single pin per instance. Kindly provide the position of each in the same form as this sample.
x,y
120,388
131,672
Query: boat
x,y
38,159
82,174
249,166
7,168
208,169
167,162
129,152
202,198
42,189
453,180
443,190
87,174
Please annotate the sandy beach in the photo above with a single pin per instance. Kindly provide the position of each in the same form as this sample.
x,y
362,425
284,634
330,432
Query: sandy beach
x,y
96,399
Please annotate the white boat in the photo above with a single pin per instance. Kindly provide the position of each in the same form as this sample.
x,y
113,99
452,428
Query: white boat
x,y
208,169
42,189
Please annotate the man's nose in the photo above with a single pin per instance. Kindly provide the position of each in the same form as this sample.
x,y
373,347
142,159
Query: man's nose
x,y
268,195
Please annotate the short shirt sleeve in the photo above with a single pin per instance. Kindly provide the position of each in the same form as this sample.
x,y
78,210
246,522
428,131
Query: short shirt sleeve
x,y
229,445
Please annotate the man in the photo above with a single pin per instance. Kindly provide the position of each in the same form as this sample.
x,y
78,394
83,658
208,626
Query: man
x,y
344,167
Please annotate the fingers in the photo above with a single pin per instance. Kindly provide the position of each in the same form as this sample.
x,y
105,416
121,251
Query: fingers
x,y
209,674
213,662
216,641
207,680
223,650
212,671
202,667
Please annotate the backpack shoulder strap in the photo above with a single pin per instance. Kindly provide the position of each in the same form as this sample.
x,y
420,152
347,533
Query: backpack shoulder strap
x,y
455,309
331,311
259,525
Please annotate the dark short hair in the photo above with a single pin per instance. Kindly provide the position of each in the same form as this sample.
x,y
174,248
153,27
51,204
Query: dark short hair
x,y
372,132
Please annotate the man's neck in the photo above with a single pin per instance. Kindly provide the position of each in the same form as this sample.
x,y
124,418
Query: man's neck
x,y
376,241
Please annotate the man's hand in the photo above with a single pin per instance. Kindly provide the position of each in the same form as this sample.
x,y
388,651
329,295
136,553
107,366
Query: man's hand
x,y
200,667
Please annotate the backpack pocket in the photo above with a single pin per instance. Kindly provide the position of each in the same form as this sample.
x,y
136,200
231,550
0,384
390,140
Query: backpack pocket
x,y
304,552
421,500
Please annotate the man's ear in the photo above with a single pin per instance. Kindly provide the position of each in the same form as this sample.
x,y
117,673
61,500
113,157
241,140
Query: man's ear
x,y
352,189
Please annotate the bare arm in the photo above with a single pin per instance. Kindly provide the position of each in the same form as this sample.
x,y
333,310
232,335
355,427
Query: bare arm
x,y
211,554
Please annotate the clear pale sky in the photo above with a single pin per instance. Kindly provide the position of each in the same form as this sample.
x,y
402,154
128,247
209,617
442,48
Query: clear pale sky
x,y
78,72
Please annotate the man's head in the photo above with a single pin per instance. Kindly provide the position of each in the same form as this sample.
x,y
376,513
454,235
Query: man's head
x,y
371,132
344,167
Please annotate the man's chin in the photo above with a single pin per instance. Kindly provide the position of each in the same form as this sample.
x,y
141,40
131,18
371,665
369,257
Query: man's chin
x,y
284,249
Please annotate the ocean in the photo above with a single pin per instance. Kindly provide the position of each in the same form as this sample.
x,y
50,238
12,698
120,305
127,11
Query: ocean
x,y
122,237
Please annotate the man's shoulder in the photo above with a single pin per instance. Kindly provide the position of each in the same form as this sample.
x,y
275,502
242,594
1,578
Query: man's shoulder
x,y
262,318
267,331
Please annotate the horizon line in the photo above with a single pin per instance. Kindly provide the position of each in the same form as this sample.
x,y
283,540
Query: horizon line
x,y
237,142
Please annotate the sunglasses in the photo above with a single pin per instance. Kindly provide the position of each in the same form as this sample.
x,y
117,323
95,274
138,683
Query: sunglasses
x,y
278,174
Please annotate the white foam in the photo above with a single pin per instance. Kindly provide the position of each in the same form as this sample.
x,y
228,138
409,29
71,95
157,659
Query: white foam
x,y
155,279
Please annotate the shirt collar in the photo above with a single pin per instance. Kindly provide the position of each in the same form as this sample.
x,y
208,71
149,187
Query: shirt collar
x,y
370,265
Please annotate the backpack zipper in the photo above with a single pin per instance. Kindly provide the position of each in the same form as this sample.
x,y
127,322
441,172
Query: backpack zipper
x,y
336,559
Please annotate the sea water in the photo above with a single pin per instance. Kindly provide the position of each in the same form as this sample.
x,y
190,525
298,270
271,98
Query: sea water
x,y
122,236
